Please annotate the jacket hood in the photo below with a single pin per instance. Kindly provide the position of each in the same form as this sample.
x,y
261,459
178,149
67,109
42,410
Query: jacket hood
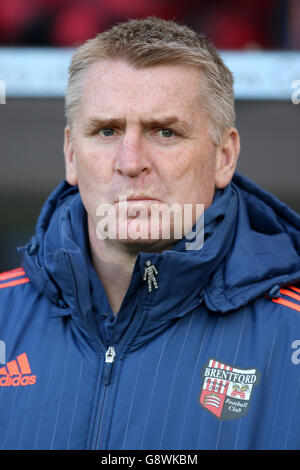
x,y
252,245
265,253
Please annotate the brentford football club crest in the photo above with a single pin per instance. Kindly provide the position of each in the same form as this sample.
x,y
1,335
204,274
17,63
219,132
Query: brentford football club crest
x,y
226,390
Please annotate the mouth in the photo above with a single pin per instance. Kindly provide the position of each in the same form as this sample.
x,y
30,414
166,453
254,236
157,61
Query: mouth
x,y
140,198
137,198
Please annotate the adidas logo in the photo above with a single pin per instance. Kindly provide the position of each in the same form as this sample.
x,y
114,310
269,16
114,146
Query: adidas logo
x,y
17,373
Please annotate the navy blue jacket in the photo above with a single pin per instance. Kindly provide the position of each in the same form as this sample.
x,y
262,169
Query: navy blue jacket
x,y
209,360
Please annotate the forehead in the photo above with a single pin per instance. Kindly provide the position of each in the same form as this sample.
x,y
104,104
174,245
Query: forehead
x,y
110,86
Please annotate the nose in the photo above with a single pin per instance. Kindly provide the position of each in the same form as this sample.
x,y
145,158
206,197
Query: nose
x,y
131,159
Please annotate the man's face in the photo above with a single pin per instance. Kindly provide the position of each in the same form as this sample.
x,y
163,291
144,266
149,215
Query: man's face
x,y
143,135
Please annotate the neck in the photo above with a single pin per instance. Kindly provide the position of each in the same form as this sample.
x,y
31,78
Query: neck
x,y
114,262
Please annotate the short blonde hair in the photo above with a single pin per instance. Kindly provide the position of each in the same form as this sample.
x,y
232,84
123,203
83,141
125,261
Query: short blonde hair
x,y
152,41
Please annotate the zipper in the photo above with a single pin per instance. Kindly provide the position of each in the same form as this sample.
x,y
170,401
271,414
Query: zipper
x,y
108,365
106,376
110,354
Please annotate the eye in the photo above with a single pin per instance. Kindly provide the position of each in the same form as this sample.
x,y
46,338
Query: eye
x,y
166,133
107,132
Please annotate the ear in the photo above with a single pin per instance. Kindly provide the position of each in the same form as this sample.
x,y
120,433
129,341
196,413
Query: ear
x,y
227,157
70,159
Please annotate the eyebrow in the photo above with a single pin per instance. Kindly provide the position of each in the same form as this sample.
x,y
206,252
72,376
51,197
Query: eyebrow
x,y
99,122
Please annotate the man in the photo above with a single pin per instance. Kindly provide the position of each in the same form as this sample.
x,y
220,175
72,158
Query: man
x,y
118,336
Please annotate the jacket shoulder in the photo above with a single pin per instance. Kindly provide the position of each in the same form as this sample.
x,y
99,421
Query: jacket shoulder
x,y
18,299
13,285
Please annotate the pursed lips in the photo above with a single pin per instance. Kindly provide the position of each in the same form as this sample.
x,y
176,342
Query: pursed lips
x,y
140,197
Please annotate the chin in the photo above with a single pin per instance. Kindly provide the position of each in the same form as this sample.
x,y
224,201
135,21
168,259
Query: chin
x,y
139,235
153,245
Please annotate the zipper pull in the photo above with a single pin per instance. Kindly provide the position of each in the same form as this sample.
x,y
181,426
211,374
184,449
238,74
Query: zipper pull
x,y
109,360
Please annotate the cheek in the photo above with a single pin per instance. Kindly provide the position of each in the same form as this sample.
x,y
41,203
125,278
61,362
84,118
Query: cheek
x,y
190,177
93,175
92,166
187,166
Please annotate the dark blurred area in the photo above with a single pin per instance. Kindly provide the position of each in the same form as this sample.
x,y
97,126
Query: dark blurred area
x,y
31,129
230,24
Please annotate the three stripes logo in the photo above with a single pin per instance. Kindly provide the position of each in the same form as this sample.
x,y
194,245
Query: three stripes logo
x,y
227,391
13,278
17,373
289,297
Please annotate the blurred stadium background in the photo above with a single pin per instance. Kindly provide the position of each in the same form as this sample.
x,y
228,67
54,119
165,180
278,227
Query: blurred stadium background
x,y
259,40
